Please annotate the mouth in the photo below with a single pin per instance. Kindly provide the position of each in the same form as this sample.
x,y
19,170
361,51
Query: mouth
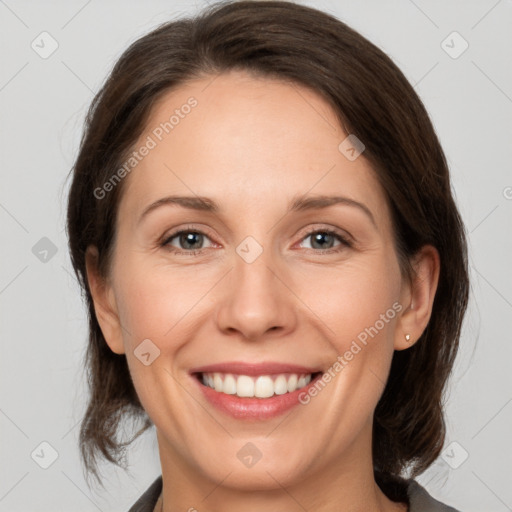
x,y
254,391
249,386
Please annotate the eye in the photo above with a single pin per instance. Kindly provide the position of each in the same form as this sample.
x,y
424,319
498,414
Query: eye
x,y
188,241
323,239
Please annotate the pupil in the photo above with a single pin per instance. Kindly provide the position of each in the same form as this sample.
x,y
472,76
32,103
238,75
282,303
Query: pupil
x,y
189,239
318,238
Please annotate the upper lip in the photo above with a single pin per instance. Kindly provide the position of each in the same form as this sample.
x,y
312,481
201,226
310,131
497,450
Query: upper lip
x,y
244,368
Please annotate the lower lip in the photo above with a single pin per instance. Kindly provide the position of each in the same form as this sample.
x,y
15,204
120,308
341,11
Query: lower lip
x,y
253,408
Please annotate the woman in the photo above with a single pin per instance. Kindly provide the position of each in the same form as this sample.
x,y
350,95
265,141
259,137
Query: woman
x,y
294,355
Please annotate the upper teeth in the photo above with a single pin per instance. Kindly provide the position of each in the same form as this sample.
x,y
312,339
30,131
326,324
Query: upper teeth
x,y
263,386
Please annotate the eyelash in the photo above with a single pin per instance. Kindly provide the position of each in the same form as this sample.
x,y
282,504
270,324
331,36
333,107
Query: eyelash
x,y
344,242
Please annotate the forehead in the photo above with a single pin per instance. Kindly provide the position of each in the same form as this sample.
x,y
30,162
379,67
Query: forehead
x,y
249,139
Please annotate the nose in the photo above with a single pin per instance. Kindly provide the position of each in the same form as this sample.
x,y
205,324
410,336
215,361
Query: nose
x,y
257,300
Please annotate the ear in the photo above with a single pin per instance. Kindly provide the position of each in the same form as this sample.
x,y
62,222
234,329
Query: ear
x,y
418,297
104,302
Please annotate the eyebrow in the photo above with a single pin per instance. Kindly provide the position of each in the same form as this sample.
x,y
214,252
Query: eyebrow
x,y
300,203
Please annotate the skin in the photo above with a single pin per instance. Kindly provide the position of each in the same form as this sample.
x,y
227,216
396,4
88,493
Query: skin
x,y
252,145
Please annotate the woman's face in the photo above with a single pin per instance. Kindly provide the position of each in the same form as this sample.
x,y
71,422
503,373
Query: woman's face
x,y
263,287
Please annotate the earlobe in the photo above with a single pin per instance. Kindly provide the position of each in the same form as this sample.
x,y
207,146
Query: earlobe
x,y
418,297
104,303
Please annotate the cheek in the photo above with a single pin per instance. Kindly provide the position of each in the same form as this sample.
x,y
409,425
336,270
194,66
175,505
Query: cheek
x,y
154,304
357,301
358,306
154,299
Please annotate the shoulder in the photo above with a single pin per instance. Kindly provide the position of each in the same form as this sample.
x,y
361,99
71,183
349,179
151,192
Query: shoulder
x,y
421,501
147,502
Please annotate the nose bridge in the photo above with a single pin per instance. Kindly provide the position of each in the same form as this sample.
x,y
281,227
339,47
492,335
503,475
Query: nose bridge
x,y
256,300
252,272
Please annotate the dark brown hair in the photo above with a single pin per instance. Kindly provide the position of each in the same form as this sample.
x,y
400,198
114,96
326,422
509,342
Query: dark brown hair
x,y
373,100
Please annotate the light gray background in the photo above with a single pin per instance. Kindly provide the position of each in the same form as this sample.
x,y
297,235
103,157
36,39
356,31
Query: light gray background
x,y
43,327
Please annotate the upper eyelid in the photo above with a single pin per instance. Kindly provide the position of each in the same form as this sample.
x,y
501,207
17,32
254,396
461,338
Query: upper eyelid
x,y
336,231
185,229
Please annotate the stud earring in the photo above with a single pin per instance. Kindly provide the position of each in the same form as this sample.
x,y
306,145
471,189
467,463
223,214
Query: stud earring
x,y
407,337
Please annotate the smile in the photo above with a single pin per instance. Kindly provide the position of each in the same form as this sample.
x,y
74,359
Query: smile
x,y
263,386
254,391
